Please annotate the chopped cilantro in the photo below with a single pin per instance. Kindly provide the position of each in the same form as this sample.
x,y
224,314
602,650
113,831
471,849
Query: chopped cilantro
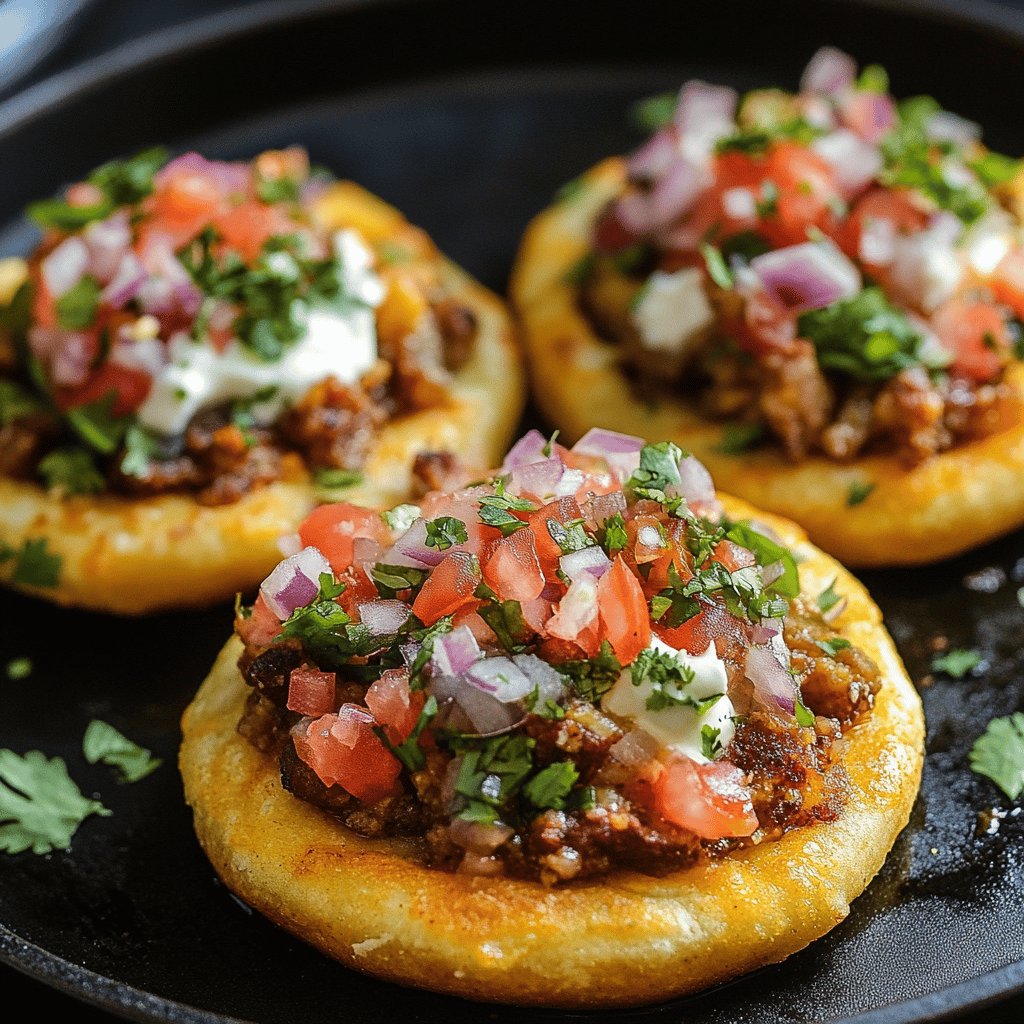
x,y
496,510
401,517
668,678
409,751
738,438
445,532
873,78
746,244
998,754
391,579
581,270
859,492
326,630
710,744
864,337
549,709
102,742
76,308
16,402
97,425
425,637
331,479
546,450
804,716
613,534
832,646
278,190
491,773
658,470
957,662
72,470
755,140
34,564
506,619
767,204
19,668
768,552
140,447
591,678
828,598
551,786
653,112
569,536
995,169
718,270
40,806
659,605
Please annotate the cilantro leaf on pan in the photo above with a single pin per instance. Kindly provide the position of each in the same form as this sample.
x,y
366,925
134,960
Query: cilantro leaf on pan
x,y
40,806
998,754
957,662
102,742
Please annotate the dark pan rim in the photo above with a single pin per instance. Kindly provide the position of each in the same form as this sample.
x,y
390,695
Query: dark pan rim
x,y
206,32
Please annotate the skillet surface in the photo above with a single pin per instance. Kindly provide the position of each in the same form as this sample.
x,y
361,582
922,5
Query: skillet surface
x,y
468,119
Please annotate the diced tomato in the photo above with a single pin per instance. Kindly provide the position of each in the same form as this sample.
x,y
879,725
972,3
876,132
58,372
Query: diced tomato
x,y
536,614
711,800
896,206
732,556
311,692
334,528
448,588
978,336
712,624
344,751
562,510
647,538
469,617
513,570
464,506
555,650
765,326
657,576
245,228
622,611
1007,281
183,203
576,617
359,589
129,385
44,308
260,628
610,234
393,705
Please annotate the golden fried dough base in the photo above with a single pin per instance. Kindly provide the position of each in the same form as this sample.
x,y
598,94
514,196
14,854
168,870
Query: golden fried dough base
x,y
617,940
953,501
133,555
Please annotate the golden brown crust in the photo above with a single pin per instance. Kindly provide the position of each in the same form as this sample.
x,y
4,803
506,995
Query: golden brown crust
x,y
951,502
617,940
138,555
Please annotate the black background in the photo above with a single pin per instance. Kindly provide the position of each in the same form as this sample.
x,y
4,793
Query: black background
x,y
101,27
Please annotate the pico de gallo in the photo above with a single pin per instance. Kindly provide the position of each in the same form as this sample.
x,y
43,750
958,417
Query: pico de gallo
x,y
574,665
191,325
830,271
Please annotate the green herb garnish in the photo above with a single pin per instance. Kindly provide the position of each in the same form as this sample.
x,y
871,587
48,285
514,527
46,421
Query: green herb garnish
x,y
102,742
998,754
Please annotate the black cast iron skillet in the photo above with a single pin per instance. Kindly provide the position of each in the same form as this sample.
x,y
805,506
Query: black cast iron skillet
x,y
468,116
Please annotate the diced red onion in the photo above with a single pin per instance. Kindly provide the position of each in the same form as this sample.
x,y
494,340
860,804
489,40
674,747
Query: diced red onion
x,y
870,114
413,544
856,163
127,281
695,483
590,560
550,683
455,652
766,630
635,748
487,715
539,479
228,177
808,276
295,582
529,448
829,71
771,679
383,618
816,111
63,268
600,508
366,549
655,156
944,126
410,652
74,355
500,677
877,244
704,110
478,837
672,196
107,241
620,451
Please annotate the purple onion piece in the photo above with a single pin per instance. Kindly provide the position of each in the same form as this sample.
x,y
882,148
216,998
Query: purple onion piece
x,y
590,560
126,282
620,451
529,448
63,268
455,652
413,544
295,582
655,156
702,107
539,479
772,682
808,276
855,162
550,683
829,71
487,715
500,677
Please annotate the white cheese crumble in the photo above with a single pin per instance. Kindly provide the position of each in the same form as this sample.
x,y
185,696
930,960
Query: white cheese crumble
x,y
673,313
338,344
678,728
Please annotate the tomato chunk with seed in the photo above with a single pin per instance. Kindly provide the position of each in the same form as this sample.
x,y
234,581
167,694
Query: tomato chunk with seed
x,y
711,800
622,612
513,570
334,529
393,705
448,588
260,628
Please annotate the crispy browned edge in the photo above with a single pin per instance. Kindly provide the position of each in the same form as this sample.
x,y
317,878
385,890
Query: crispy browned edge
x,y
950,503
139,555
619,940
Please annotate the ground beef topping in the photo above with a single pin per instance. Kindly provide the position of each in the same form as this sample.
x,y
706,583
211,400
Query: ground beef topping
x,y
576,666
828,270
